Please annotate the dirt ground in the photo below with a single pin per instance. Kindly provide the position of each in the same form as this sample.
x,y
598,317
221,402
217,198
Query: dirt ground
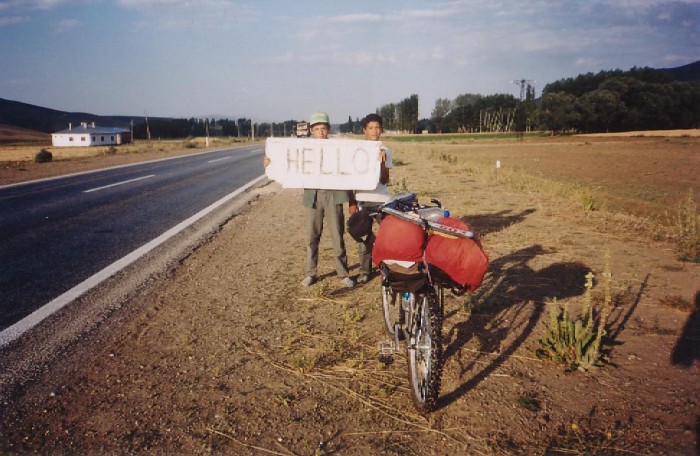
x,y
226,353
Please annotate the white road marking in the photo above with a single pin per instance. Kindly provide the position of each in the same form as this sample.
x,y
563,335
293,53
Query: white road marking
x,y
119,183
15,331
219,159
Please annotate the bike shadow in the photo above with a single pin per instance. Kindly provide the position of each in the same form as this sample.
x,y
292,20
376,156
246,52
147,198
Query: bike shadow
x,y
512,300
493,223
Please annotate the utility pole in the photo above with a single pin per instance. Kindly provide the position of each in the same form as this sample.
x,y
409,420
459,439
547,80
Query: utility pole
x,y
524,85
148,130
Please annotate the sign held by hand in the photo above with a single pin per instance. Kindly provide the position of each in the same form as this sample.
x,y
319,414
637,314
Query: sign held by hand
x,y
330,164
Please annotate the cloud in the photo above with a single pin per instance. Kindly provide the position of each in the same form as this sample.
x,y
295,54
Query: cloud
x,y
188,14
401,16
67,24
14,83
33,5
12,20
358,18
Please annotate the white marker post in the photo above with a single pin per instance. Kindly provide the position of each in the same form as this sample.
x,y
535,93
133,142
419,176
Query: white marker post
x,y
330,164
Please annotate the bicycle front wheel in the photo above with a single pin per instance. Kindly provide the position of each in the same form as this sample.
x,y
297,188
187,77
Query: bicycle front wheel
x,y
425,351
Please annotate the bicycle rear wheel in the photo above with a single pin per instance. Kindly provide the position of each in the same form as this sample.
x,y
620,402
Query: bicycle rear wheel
x,y
425,351
393,312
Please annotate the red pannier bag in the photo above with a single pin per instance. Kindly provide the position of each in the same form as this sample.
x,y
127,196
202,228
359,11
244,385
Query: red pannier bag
x,y
398,240
462,259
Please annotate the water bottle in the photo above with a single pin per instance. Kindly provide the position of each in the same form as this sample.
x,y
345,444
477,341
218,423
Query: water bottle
x,y
433,214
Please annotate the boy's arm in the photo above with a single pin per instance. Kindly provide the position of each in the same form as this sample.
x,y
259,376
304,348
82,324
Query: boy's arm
x,y
383,170
352,204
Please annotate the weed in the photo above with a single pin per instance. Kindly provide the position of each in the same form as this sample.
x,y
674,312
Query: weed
x,y
399,186
218,371
575,341
352,317
111,150
397,162
321,290
589,204
451,159
677,302
686,230
285,399
586,436
304,363
529,403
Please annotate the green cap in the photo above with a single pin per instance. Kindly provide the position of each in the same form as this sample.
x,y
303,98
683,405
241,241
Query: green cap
x,y
319,117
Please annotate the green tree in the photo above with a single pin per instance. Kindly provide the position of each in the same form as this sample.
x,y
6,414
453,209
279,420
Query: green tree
x,y
443,106
556,111
598,111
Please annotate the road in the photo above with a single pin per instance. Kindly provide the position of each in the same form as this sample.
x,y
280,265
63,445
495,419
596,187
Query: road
x,y
57,233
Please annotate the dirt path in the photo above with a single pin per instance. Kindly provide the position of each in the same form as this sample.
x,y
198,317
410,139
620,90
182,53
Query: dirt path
x,y
230,355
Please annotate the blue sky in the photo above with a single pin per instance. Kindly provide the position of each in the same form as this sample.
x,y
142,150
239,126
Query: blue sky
x,y
278,60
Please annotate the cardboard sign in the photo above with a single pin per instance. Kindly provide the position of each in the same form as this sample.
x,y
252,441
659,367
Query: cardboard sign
x,y
331,164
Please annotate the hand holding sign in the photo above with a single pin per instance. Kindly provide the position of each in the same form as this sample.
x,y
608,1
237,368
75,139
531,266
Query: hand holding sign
x,y
331,164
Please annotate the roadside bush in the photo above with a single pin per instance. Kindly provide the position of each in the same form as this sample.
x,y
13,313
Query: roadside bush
x,y
111,151
44,156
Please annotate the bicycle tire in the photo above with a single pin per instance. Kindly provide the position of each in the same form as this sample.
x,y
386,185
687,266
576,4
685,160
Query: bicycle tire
x,y
393,312
424,351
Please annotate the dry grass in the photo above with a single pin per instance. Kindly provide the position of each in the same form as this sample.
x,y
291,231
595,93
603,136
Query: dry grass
x,y
26,153
631,184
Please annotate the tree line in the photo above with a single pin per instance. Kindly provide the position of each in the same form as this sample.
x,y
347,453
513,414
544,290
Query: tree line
x,y
166,128
608,101
638,99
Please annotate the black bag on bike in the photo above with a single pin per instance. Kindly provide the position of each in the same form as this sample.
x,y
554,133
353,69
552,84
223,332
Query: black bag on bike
x,y
403,279
360,226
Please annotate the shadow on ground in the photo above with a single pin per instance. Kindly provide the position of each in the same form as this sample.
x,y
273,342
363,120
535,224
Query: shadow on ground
x,y
512,301
687,348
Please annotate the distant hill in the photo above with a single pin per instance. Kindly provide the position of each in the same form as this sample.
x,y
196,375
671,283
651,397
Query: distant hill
x,y
23,115
690,72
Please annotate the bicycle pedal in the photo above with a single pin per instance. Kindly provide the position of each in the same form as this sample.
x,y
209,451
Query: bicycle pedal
x,y
386,359
387,347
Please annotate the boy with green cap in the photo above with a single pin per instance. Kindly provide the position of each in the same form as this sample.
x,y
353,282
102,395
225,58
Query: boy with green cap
x,y
319,205
328,205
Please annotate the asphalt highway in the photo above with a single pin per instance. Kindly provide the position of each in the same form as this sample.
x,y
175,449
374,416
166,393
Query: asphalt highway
x,y
56,233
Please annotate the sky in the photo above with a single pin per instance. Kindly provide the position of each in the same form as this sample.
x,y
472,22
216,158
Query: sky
x,y
279,60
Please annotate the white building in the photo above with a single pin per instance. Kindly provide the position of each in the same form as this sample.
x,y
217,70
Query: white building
x,y
90,135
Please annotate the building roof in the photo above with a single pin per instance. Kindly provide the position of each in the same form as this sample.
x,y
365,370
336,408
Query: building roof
x,y
89,129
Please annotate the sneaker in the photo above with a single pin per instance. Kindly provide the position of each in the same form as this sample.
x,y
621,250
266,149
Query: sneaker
x,y
308,281
363,278
348,282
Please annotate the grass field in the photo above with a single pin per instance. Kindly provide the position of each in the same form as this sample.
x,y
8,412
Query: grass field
x,y
641,176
